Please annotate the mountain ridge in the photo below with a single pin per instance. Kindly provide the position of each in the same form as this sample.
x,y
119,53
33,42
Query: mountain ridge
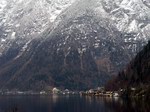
x,y
82,48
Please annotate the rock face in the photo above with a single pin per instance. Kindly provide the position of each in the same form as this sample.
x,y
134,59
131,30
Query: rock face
x,y
69,44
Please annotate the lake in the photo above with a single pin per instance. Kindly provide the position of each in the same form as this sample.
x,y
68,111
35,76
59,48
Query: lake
x,y
55,103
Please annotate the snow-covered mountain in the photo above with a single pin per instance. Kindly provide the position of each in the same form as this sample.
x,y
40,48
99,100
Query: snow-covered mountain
x,y
74,44
26,19
129,16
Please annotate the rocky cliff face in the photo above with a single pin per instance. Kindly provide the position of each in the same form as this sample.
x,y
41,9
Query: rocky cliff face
x,y
72,44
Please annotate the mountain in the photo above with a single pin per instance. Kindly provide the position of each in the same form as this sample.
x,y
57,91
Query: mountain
x,y
136,75
138,70
23,20
69,44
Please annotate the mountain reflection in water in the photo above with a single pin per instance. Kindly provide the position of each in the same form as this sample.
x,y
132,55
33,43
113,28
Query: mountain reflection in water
x,y
77,103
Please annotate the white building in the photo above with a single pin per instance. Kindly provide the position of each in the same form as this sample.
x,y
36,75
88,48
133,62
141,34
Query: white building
x,y
55,90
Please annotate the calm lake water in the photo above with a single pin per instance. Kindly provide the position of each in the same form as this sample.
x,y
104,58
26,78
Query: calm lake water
x,y
56,103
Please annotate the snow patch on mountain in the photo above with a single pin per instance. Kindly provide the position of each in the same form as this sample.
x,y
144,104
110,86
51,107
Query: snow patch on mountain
x,y
3,3
133,27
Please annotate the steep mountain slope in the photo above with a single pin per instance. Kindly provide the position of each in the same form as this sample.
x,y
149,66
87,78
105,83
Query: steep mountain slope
x,y
138,71
135,75
23,20
86,44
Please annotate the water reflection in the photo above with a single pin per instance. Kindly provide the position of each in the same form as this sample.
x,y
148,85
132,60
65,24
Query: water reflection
x,y
55,98
128,105
57,103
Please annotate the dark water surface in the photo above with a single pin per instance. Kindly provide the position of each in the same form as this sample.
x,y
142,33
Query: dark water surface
x,y
56,103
